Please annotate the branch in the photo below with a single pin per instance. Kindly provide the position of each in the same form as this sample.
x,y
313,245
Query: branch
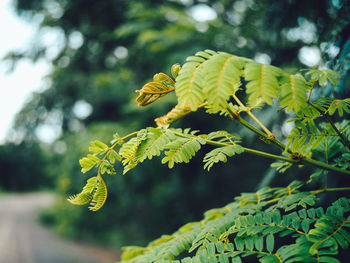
x,y
235,116
328,119
266,130
305,161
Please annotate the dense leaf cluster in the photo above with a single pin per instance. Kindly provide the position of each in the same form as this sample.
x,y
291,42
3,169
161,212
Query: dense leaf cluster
x,y
250,225
166,30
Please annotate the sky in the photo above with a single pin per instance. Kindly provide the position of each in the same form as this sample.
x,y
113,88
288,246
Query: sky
x,y
16,87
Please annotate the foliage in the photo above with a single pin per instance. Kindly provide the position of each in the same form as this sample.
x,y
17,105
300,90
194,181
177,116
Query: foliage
x,y
164,28
251,226
155,34
211,80
18,165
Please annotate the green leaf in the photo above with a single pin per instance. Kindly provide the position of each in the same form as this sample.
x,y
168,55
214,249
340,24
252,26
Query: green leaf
x,y
305,225
106,167
341,241
276,217
340,106
97,147
182,150
327,259
113,156
128,151
345,234
100,195
220,155
203,257
322,75
270,242
223,258
222,136
191,80
87,163
259,243
263,83
281,167
131,252
222,73
86,194
155,142
293,93
236,260
269,259
239,243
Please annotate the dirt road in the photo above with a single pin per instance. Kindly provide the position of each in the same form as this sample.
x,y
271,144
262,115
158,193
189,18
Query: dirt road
x,y
24,240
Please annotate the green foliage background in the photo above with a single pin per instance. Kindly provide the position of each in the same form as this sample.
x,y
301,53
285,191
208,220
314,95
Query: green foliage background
x,y
15,161
158,34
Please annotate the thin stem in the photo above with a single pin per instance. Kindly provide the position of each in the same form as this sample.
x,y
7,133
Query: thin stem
x,y
308,161
268,136
126,137
174,114
273,200
251,127
309,96
271,156
117,143
266,130
315,192
248,150
328,119
344,130
326,156
274,140
305,161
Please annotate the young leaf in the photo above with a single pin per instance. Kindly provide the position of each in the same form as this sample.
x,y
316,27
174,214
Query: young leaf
x,y
113,156
106,167
223,136
152,91
97,147
340,106
155,142
322,75
221,154
175,70
182,150
100,195
87,163
147,144
128,151
85,195
176,113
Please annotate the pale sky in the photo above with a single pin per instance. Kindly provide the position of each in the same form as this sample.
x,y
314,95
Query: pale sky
x,y
16,87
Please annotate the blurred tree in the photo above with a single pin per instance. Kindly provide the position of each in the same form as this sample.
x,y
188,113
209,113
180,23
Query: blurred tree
x,y
23,167
101,37
106,49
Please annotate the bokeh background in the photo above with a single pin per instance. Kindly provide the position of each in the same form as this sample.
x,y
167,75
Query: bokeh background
x,y
90,56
